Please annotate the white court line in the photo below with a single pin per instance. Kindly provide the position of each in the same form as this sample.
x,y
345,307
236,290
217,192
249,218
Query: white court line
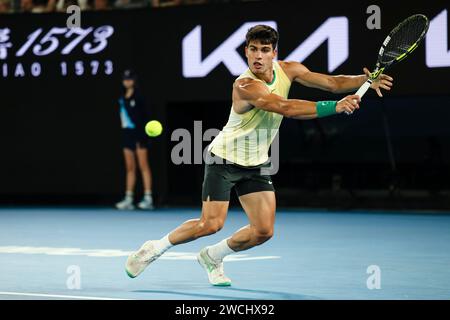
x,y
56,296
114,253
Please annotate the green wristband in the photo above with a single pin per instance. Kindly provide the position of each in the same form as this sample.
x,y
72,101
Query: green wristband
x,y
326,108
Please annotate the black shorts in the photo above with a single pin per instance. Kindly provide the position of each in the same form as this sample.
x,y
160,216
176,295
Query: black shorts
x,y
220,178
133,137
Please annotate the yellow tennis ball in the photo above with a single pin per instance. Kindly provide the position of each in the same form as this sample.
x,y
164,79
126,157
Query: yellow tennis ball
x,y
153,128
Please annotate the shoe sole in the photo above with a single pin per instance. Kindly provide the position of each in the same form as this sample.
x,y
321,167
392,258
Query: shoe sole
x,y
130,257
224,284
129,274
221,284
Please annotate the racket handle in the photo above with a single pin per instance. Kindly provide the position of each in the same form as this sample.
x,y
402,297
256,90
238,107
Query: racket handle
x,y
362,90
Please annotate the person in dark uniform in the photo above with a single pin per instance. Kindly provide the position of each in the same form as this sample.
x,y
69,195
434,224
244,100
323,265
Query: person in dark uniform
x,y
133,115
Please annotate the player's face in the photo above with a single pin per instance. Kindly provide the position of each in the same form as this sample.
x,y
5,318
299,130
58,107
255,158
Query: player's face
x,y
128,84
260,56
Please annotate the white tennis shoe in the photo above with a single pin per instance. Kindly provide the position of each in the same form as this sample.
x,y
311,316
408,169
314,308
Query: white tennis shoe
x,y
139,260
213,268
146,203
125,204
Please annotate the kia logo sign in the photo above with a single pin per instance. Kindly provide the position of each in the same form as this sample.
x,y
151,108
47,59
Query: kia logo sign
x,y
436,42
335,30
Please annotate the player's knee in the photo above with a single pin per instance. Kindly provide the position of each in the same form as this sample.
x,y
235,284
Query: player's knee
x,y
143,166
262,235
210,226
131,169
213,226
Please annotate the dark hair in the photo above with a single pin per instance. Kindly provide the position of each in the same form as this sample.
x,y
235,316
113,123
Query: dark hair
x,y
129,74
262,33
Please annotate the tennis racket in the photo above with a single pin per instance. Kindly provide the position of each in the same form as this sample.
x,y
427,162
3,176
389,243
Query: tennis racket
x,y
398,45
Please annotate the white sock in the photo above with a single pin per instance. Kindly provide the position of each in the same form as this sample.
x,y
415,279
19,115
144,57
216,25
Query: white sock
x,y
163,244
148,195
129,195
220,250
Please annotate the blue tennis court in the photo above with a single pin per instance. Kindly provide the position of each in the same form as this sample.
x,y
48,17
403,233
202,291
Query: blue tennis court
x,y
313,255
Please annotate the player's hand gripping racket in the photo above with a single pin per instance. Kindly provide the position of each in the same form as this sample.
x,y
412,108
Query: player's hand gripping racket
x,y
399,44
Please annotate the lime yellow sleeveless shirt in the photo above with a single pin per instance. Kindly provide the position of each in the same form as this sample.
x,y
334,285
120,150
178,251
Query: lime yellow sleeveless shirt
x,y
246,138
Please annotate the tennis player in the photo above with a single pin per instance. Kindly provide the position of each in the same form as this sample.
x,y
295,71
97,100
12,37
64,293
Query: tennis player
x,y
259,103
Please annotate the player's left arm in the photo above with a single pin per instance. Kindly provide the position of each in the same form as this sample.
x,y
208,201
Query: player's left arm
x,y
336,84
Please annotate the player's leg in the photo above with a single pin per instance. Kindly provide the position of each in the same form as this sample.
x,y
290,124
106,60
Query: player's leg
x,y
130,167
260,209
257,196
144,167
215,195
211,220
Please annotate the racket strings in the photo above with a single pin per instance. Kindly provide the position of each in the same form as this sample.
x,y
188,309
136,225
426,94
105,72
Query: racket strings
x,y
405,35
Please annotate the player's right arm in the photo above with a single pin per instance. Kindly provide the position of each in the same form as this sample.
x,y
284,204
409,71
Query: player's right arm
x,y
255,93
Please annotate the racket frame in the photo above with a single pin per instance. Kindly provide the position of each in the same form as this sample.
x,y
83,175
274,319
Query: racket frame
x,y
379,67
